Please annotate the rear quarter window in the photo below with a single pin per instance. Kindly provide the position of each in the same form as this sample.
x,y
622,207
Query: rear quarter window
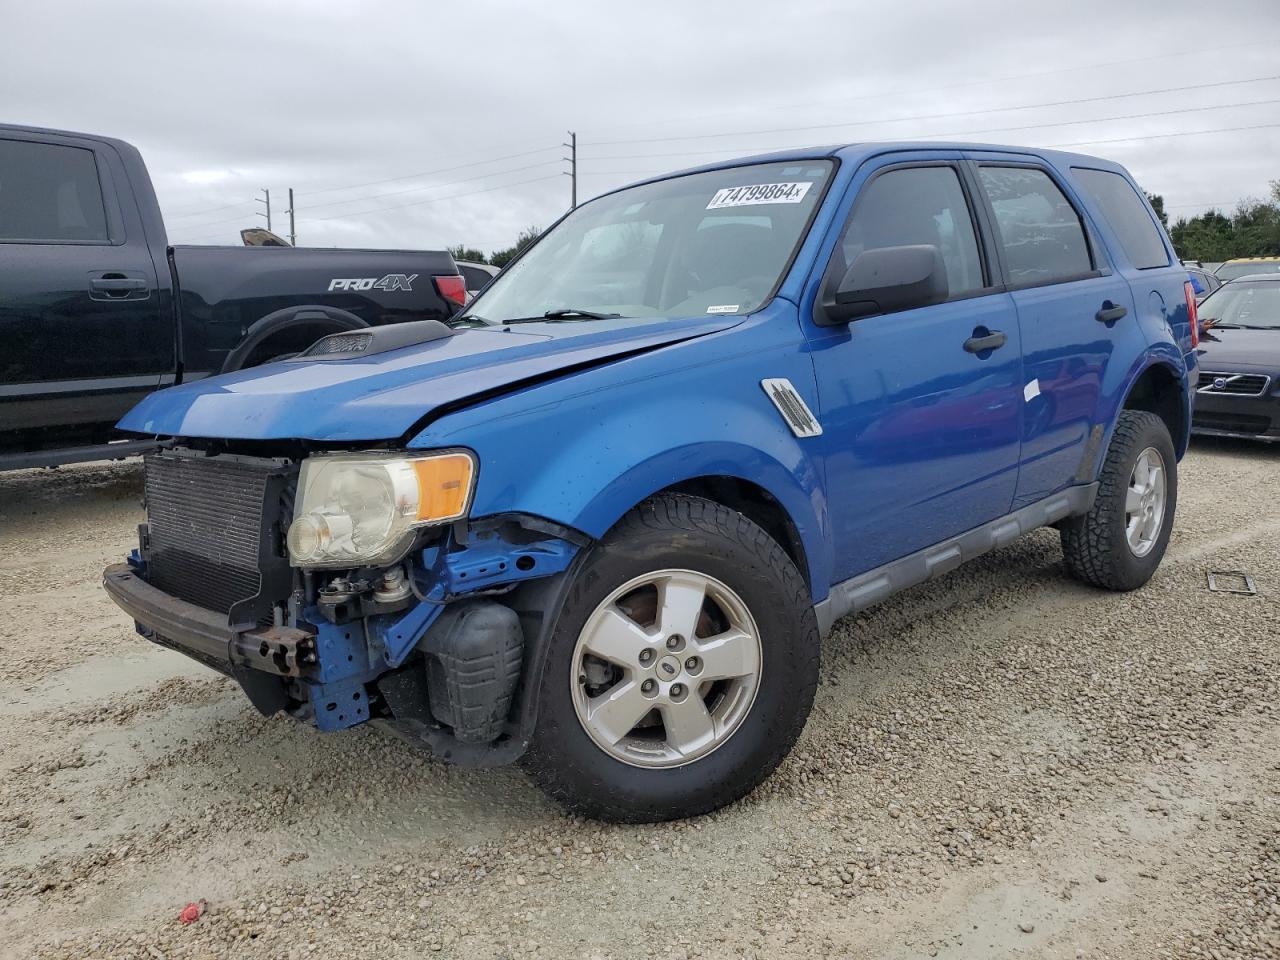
x,y
1127,213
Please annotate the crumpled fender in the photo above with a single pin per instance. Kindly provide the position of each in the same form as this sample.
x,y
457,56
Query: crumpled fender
x,y
583,451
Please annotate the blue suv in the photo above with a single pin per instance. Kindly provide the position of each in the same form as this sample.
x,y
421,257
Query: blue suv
x,y
601,520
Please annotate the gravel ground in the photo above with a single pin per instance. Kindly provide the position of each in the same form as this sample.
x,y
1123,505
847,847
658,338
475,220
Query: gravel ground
x,y
1000,763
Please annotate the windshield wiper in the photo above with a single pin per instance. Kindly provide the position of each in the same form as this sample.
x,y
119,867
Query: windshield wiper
x,y
566,313
574,312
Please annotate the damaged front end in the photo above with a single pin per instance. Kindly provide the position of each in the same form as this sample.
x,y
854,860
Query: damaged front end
x,y
349,587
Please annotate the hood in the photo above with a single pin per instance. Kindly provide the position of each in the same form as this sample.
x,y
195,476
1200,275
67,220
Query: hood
x,y
1226,350
383,396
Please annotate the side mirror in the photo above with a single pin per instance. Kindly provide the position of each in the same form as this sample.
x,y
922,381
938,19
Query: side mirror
x,y
887,280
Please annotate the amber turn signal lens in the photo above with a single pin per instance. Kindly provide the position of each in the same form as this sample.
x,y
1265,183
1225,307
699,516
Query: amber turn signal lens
x,y
444,486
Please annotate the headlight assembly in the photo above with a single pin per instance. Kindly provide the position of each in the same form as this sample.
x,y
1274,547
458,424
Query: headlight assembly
x,y
355,510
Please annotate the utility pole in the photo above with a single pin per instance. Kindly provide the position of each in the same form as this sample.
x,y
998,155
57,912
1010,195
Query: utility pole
x,y
293,235
572,173
267,201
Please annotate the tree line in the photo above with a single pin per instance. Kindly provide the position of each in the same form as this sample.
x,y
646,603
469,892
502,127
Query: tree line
x,y
1251,230
499,258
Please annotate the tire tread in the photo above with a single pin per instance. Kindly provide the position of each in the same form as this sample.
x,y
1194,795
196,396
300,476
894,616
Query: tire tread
x,y
1089,543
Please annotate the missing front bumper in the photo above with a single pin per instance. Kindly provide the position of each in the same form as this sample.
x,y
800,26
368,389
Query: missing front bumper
x,y
260,658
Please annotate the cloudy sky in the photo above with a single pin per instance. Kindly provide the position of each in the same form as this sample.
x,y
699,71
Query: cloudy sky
x,y
425,124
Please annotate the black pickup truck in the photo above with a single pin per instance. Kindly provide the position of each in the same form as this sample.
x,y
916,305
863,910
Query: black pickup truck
x,y
97,309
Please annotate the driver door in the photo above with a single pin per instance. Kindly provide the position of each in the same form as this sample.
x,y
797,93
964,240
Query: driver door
x,y
921,433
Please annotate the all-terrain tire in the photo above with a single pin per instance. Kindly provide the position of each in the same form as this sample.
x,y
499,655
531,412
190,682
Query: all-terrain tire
x,y
678,532
1095,546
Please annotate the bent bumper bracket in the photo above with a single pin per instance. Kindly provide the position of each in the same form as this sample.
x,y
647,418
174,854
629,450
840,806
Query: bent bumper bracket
x,y
205,635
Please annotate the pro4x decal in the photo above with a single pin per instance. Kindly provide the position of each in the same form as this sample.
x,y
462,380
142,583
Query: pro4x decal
x,y
390,283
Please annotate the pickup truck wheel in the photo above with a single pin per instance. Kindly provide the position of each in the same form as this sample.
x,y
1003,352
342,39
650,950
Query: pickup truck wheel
x,y
682,667
1119,543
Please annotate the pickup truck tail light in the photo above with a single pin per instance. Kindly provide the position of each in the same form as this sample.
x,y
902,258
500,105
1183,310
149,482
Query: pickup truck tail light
x,y
1193,314
452,288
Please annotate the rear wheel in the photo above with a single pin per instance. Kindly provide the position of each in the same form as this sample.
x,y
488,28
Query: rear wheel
x,y
682,667
1119,543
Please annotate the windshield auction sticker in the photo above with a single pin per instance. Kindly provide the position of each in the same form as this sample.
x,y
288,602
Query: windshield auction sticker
x,y
757,193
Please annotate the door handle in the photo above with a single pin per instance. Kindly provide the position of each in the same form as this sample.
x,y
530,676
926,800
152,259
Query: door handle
x,y
1110,313
118,284
991,341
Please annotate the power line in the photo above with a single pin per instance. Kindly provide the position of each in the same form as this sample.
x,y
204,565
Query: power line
x,y
416,203
617,173
968,133
1201,204
178,215
1199,52
1129,116
942,116
212,223
434,186
199,213
1166,136
432,173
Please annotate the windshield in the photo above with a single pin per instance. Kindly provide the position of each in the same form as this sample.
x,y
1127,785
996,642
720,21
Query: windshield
x,y
1230,271
1244,304
704,243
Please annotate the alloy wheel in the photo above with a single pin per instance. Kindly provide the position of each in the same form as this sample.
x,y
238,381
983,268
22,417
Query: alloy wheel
x,y
666,668
1144,502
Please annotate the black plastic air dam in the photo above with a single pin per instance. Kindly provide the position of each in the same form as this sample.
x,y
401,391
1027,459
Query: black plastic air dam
x,y
474,653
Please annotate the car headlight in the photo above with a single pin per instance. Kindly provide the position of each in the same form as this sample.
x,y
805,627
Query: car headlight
x,y
355,510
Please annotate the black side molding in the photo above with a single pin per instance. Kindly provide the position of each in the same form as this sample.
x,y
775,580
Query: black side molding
x,y
871,587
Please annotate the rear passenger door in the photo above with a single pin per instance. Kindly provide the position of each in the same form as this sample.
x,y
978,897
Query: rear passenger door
x,y
1143,253
1071,306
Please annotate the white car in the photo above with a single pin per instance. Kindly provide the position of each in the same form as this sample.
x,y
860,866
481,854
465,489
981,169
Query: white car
x,y
476,275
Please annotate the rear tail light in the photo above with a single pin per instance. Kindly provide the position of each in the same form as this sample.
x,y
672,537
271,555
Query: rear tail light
x,y
1193,314
452,288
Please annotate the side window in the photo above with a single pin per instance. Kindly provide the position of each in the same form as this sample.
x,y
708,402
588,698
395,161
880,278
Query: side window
x,y
50,192
1127,214
1040,233
915,205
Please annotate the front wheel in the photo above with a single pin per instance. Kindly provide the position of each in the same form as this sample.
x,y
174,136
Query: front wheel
x,y
1119,543
681,670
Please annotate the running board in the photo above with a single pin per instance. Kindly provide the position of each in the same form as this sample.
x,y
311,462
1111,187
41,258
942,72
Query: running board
x,y
871,587
53,458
